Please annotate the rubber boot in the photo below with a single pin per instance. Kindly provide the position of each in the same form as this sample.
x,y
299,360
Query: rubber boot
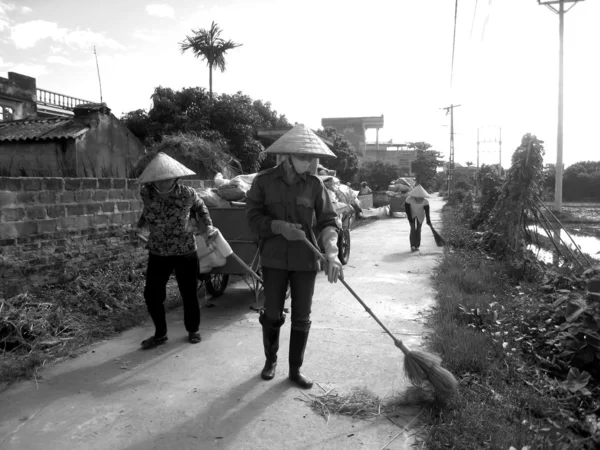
x,y
298,339
270,332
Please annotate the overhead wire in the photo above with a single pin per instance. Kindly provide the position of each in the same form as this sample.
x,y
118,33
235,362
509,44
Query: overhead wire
x,y
487,16
473,20
453,42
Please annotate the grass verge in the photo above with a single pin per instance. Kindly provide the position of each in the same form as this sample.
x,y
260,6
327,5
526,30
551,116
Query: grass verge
x,y
481,327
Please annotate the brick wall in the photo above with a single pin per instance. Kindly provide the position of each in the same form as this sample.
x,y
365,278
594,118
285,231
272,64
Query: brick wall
x,y
53,228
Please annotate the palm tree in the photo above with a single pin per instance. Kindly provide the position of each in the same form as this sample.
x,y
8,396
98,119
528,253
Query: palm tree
x,y
208,45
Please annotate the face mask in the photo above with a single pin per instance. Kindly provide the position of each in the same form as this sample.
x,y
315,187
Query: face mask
x,y
300,165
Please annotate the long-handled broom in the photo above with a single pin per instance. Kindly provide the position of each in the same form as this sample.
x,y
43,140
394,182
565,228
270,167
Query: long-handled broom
x,y
418,366
439,240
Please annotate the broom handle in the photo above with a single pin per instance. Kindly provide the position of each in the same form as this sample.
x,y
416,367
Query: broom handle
x,y
236,257
322,258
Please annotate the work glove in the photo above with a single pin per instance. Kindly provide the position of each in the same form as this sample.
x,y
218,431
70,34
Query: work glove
x,y
329,238
211,234
290,231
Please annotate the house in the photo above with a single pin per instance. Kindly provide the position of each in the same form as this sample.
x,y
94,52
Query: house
x,y
91,143
354,130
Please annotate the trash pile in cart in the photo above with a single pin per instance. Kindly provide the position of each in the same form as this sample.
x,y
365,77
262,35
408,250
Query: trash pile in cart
x,y
234,190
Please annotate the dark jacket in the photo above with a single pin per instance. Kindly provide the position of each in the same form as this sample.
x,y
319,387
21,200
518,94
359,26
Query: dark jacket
x,y
272,198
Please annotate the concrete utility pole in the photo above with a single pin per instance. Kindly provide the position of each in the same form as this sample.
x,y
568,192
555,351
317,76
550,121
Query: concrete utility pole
x,y
451,162
559,135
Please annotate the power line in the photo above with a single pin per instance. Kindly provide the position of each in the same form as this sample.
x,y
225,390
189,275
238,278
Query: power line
x,y
453,42
473,20
487,16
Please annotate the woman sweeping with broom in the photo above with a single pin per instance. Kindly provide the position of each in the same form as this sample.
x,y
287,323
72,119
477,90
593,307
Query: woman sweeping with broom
x,y
417,210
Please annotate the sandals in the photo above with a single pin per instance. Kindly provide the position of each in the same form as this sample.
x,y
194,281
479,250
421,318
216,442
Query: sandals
x,y
154,341
195,338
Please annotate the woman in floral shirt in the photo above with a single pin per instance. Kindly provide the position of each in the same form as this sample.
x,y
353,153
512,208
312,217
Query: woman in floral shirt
x,y
170,211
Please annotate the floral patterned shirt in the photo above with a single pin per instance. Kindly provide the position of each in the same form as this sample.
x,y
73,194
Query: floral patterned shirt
x,y
171,219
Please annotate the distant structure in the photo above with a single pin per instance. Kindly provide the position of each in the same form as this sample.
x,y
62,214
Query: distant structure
x,y
20,98
354,129
43,133
392,153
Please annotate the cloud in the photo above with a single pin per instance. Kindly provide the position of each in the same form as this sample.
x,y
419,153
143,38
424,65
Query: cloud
x,y
160,11
67,62
31,70
4,64
28,34
144,35
4,19
25,9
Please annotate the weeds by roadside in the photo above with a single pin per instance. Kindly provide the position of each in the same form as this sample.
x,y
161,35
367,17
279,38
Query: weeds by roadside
x,y
59,321
490,333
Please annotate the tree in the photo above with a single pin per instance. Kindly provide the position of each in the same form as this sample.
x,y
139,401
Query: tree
x,y
426,164
208,45
346,163
231,121
581,181
378,174
469,163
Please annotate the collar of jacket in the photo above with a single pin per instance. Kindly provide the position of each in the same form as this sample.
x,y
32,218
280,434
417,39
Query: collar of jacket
x,y
175,192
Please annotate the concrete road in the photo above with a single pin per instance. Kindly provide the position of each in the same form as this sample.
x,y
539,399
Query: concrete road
x,y
210,395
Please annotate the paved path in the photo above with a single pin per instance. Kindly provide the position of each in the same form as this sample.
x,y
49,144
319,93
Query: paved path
x,y
210,395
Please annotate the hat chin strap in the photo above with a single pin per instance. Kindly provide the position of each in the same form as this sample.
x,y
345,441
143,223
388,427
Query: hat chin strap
x,y
167,191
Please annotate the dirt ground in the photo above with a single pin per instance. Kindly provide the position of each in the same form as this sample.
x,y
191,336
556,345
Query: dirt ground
x,y
210,395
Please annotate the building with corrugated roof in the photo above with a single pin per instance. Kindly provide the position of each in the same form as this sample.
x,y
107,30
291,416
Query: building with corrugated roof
x,y
43,133
91,143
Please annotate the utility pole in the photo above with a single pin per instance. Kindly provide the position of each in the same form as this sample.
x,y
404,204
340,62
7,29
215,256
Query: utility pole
x,y
500,148
451,162
559,135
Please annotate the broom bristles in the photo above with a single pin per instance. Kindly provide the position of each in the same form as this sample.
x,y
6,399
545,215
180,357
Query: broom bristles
x,y
439,240
421,367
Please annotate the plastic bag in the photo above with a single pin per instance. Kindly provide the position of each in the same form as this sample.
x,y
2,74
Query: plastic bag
x,y
212,199
208,256
219,180
346,194
249,178
235,190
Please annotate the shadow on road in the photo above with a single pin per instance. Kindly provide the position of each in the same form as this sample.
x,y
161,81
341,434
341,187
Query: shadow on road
x,y
83,375
221,420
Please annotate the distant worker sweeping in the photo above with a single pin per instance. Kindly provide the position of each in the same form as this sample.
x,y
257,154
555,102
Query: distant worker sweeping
x,y
169,208
417,210
280,207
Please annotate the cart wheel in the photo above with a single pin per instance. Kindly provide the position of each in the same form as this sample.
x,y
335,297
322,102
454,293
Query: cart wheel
x,y
344,246
216,284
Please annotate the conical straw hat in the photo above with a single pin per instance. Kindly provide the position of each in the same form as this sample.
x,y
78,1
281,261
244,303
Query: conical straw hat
x,y
418,191
163,167
301,140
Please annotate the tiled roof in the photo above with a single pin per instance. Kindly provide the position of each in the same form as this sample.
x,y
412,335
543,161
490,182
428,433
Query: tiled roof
x,y
41,129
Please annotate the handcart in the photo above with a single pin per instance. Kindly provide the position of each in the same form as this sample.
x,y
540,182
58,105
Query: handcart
x,y
233,225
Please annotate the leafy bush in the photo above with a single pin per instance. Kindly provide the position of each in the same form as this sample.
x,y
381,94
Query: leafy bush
x,y
346,163
203,157
378,174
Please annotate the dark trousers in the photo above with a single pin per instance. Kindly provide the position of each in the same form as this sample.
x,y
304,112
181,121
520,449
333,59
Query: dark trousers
x,y
159,271
415,232
302,286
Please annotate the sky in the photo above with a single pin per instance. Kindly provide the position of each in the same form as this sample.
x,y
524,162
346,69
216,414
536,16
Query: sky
x,y
335,58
